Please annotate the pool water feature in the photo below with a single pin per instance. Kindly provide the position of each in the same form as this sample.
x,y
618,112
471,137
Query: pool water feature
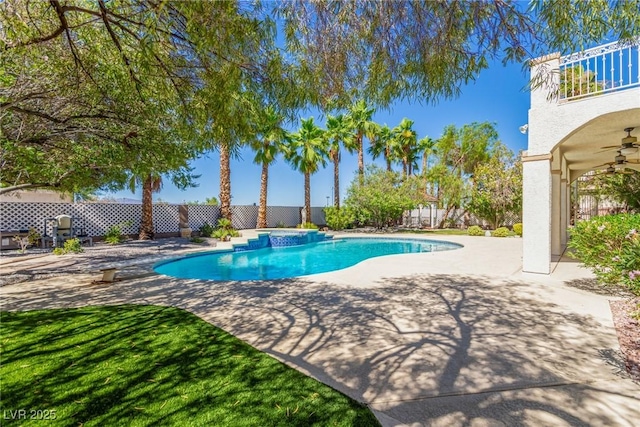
x,y
281,238
292,261
278,239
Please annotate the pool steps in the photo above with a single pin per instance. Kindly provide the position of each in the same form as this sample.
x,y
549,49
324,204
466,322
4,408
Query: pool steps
x,y
280,238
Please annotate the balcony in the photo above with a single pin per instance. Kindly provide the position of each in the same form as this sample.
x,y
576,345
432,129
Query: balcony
x,y
602,69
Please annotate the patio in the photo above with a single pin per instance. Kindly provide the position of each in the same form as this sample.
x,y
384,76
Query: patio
x,y
448,338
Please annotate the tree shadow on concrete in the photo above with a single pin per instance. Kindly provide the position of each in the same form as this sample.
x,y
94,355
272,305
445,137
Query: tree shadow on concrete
x,y
429,349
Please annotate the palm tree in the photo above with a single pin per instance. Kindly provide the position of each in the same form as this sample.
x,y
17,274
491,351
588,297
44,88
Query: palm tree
x,y
383,145
151,183
428,147
266,146
225,179
337,133
230,135
306,153
359,119
406,144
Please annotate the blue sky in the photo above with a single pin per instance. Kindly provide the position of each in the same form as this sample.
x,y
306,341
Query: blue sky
x,y
498,96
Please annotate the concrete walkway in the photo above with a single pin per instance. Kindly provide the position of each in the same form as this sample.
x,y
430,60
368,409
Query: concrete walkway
x,y
456,338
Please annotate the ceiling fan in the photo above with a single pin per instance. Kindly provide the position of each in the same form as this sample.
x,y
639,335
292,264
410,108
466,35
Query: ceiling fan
x,y
629,144
619,164
613,169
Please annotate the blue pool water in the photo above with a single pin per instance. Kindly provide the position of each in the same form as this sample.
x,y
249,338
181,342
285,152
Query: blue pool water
x,y
293,261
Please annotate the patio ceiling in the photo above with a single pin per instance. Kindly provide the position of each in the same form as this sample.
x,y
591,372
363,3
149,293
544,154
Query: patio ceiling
x,y
583,149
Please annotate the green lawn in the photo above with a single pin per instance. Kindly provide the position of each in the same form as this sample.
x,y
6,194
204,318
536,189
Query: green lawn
x,y
146,365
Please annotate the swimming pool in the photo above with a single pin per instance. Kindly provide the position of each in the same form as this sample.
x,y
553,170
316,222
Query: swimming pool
x,y
280,263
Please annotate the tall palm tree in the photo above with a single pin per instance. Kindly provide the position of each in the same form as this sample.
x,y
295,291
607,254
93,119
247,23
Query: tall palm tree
x,y
151,183
407,142
230,135
225,179
306,153
428,147
359,119
266,146
337,133
383,145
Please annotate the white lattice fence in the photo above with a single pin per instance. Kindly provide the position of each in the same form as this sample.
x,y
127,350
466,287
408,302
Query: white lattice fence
x,y
243,217
97,218
166,218
199,214
94,218
317,216
288,216
23,216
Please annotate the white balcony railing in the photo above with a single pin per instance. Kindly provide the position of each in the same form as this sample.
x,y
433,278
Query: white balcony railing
x,y
607,68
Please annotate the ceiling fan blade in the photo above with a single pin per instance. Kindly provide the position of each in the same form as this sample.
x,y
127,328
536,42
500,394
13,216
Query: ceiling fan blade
x,y
635,162
599,166
603,149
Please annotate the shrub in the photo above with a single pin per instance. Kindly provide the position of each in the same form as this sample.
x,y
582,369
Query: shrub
x,y
610,247
474,230
500,232
114,235
219,234
339,218
23,241
196,240
380,197
73,245
31,239
207,230
70,246
224,230
34,237
224,223
223,233
308,225
281,224
517,228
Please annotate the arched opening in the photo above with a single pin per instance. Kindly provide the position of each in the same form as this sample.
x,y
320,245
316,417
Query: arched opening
x,y
594,145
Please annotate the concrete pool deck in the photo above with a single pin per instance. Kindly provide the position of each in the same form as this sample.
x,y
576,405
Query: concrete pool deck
x,y
449,338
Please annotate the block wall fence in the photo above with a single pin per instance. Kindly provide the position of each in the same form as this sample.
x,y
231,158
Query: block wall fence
x,y
97,218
